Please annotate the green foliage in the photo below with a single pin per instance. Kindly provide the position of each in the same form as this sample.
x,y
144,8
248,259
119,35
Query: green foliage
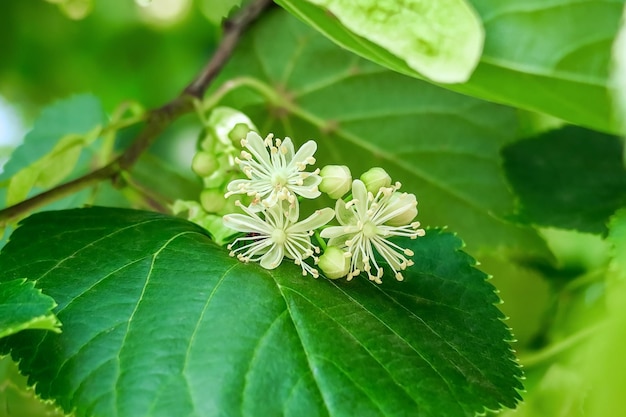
x,y
216,10
16,399
535,55
571,178
425,136
24,307
412,32
158,320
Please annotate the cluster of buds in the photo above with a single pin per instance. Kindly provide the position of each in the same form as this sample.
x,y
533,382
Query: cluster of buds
x,y
215,163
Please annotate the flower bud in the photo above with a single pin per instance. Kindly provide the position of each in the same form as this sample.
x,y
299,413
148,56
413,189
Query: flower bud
x,y
336,180
204,164
240,130
375,178
212,200
334,263
227,122
406,205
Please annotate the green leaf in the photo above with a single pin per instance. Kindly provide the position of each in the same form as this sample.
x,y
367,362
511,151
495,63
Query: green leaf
x,y
442,146
158,320
572,178
604,366
618,74
412,31
216,10
617,237
22,307
16,399
51,169
76,115
535,55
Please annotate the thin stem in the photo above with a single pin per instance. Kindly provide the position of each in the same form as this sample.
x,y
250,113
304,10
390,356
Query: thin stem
x,y
551,351
260,87
319,240
156,121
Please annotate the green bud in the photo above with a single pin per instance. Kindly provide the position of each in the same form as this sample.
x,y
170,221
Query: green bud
x,y
206,140
375,178
405,202
212,200
239,132
334,263
231,207
225,120
336,180
204,164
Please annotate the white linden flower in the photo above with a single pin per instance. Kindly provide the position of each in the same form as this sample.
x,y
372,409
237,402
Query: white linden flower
x,y
366,223
276,235
275,172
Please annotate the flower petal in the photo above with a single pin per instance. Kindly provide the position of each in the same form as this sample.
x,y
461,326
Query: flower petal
x,y
246,223
359,193
306,192
331,232
345,216
257,148
314,221
273,257
288,144
307,150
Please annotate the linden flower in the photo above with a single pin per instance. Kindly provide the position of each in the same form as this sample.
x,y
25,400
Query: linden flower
x,y
276,235
275,171
365,224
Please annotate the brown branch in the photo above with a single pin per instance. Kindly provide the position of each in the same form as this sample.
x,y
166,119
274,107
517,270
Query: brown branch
x,y
157,120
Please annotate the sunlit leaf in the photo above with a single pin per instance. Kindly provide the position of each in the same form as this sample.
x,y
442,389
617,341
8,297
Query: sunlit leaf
x,y
22,306
535,55
158,320
571,178
441,40
605,368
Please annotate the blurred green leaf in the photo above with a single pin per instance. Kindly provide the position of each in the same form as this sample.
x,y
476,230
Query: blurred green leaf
x,y
159,320
52,168
605,367
571,178
16,399
216,10
618,74
443,146
535,55
22,307
617,237
76,115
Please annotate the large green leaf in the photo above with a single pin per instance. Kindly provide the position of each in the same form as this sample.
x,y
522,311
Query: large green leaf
x,y
571,178
159,321
22,307
443,146
535,55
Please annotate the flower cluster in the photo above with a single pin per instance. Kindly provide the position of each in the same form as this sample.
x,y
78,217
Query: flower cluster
x,y
253,189
278,178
